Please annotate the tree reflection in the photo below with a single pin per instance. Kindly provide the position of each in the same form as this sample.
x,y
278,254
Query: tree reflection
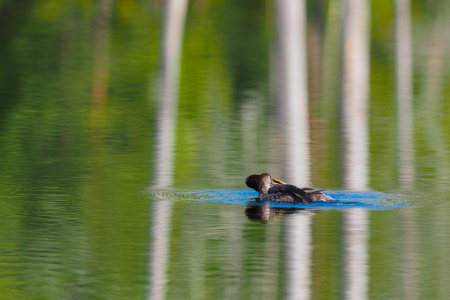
x,y
173,34
356,139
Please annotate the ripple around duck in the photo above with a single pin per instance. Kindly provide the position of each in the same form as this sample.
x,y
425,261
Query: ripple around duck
x,y
344,199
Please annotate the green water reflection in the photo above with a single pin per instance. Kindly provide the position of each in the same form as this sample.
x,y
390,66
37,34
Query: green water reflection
x,y
79,91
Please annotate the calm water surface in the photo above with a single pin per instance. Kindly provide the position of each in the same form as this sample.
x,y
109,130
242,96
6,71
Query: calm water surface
x,y
127,129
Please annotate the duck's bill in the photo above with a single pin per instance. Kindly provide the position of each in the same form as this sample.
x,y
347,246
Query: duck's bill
x,y
277,181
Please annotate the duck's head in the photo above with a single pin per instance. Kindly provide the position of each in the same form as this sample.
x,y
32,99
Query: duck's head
x,y
260,182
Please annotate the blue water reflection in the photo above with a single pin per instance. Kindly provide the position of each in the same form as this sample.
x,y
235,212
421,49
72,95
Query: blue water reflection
x,y
345,199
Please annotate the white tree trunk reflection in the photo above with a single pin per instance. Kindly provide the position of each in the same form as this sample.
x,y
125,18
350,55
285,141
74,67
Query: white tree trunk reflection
x,y
159,256
356,254
355,94
173,36
293,94
298,256
355,136
404,93
292,88
409,256
403,67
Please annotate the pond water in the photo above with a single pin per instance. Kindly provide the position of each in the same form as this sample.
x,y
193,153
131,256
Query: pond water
x,y
127,129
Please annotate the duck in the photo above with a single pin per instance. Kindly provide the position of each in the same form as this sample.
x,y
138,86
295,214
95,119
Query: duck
x,y
270,189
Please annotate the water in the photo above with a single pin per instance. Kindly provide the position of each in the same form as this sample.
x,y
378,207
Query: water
x,y
127,129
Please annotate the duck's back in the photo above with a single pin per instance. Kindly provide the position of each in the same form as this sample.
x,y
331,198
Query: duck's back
x,y
291,193
281,197
288,193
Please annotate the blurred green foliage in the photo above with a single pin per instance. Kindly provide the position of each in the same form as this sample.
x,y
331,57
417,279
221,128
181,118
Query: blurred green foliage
x,y
78,110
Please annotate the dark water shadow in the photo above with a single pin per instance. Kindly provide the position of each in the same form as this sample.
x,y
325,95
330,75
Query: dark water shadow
x,y
264,212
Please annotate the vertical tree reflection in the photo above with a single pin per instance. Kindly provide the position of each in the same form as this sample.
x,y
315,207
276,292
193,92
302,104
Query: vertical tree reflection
x,y
355,137
173,35
293,98
404,95
291,88
167,112
298,256
355,94
403,62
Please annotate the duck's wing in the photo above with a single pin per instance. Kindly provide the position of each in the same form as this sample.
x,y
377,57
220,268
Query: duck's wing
x,y
317,195
292,190
280,197
278,188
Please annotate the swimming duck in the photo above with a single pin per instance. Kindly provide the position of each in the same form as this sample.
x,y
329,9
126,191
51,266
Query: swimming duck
x,y
270,189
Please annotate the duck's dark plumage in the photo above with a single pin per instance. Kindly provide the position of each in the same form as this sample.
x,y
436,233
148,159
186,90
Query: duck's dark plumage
x,y
275,190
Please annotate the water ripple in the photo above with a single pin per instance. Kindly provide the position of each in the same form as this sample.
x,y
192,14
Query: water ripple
x,y
345,199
